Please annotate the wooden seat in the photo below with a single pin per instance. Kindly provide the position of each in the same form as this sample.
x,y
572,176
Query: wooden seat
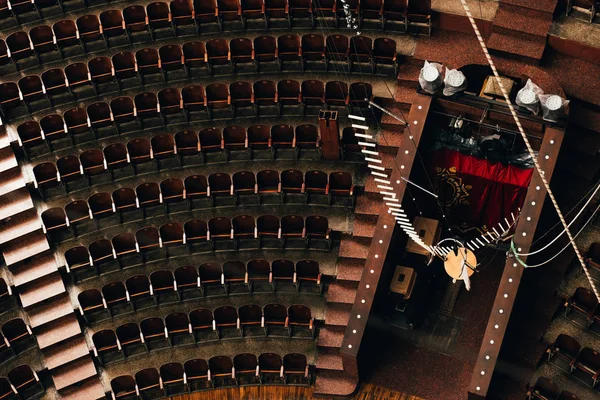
x,y
126,68
42,39
79,216
148,62
94,165
218,54
564,351
290,50
90,30
196,233
268,183
25,381
277,9
259,272
419,16
251,318
372,10
148,109
276,317
269,230
361,52
154,332
242,96
32,90
229,11
307,273
197,189
266,95
301,9
101,71
293,231
78,259
313,93
164,286
336,94
195,56
159,19
66,34
173,192
126,249
235,275
270,368
290,94
102,252
173,378
385,54
187,277
131,339
149,383
252,9
123,387
300,319
113,27
141,155
20,46
183,15
211,275
588,363
206,12
115,294
197,373
194,101
140,291
203,324
91,303
583,302
227,322
295,368
107,347
244,231
246,368
179,328
136,22
337,50
173,239
171,59
265,51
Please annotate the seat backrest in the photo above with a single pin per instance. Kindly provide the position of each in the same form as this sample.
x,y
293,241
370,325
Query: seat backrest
x,y
186,275
90,298
270,362
195,229
123,385
128,332
210,272
245,362
275,313
225,315
294,362
221,365
234,269
101,249
147,379
162,279
282,268
172,373
196,368
152,327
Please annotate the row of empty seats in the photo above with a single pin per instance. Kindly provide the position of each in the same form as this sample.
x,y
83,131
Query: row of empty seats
x,y
202,325
179,14
171,105
175,195
581,363
216,53
196,191
220,371
545,389
173,239
22,383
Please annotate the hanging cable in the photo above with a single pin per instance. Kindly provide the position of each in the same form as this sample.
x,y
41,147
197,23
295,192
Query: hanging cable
x,y
570,223
529,148
566,246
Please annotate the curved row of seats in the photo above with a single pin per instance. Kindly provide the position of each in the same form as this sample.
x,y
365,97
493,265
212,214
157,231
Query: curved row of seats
x,y
194,102
173,238
175,195
258,140
220,371
175,16
203,325
583,363
22,383
214,54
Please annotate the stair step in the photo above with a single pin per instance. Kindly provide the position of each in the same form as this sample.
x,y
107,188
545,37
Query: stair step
x,y
364,225
518,44
65,352
353,247
524,20
332,362
371,185
540,5
331,336
350,269
49,311
405,95
408,74
368,205
334,383
391,138
337,314
342,292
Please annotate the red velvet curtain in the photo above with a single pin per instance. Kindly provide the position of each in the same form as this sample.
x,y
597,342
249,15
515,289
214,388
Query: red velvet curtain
x,y
477,192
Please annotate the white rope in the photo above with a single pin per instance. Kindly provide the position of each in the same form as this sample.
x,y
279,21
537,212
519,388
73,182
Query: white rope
x,y
528,145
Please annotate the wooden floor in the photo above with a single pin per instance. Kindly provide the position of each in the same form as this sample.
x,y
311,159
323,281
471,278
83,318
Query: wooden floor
x,y
366,392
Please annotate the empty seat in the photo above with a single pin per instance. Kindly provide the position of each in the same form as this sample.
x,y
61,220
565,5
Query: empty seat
x,y
283,272
244,231
25,381
588,363
289,94
265,50
94,164
140,153
337,49
220,184
307,273
564,350
289,49
179,328
54,128
66,34
259,138
359,95
583,302
77,258
19,45
106,346
197,189
242,96
300,318
10,97
127,204
211,275
313,93
163,285
276,317
259,273
140,291
218,54
265,95
173,378
395,11
79,216
246,369
100,116
126,249
194,101
227,321
206,12
217,98
313,48
159,19
196,233
269,230
229,10
115,294
148,62
173,192
242,51
30,135
301,9
149,197
251,318
171,59
172,237
125,66
270,368
361,52
277,9
149,383
203,324
336,94
197,373
91,303
90,30
385,54
183,15
17,333
154,332
123,387
234,274
42,39
102,252
135,21
79,75
195,56
113,26
295,368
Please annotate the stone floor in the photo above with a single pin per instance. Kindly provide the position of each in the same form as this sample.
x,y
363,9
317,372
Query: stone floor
x,y
481,9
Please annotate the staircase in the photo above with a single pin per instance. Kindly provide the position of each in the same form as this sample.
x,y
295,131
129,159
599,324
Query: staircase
x,y
41,290
520,28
